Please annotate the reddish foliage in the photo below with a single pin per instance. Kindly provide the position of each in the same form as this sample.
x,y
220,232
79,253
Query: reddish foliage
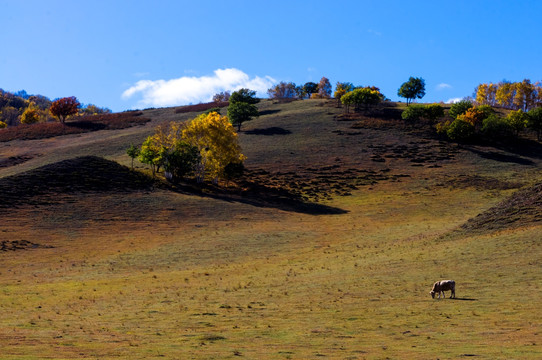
x,y
62,108
201,107
80,125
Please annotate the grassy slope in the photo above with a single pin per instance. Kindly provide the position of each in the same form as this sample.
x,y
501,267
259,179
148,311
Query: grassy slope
x,y
162,274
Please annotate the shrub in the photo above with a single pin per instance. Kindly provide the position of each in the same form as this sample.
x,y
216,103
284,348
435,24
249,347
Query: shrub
x,y
495,127
473,116
518,120
3,125
413,112
460,130
442,127
535,121
433,112
459,108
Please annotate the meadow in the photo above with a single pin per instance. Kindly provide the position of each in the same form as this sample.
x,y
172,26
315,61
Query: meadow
x,y
370,212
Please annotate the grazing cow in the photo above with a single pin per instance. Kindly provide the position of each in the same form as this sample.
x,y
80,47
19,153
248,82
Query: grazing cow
x,y
441,287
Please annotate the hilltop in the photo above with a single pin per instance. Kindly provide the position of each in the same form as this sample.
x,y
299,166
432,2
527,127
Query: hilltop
x,y
327,247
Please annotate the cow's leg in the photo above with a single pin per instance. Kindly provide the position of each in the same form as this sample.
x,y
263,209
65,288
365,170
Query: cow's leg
x,y
453,293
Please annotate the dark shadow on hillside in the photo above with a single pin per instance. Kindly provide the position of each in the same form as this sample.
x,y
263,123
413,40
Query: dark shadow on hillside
x,y
87,174
87,125
492,155
269,131
268,112
259,196
517,146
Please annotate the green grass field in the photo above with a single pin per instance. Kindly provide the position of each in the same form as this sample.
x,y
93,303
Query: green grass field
x,y
151,274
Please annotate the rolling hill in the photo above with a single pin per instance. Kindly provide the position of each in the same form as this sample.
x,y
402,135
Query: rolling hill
x,y
327,248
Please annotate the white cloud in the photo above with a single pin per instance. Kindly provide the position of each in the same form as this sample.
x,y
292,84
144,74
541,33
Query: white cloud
x,y
443,86
187,89
453,100
374,32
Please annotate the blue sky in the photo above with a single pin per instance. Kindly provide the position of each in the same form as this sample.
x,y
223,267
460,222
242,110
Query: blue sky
x,y
137,54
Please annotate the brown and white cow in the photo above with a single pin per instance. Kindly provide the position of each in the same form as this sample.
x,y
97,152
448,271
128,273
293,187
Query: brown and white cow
x,y
441,287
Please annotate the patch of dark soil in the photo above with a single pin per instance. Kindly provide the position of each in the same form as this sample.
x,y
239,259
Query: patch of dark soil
x,y
523,208
417,152
79,175
269,131
313,184
481,183
7,245
15,160
201,107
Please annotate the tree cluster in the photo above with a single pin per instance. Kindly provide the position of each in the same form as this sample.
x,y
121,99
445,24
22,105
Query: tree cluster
x,y
206,147
289,90
469,121
522,95
22,108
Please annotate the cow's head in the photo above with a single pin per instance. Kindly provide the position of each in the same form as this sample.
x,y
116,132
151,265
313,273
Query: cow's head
x,y
432,294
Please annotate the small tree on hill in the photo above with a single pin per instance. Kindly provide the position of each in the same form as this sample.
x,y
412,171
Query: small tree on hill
x,y
222,96
31,115
242,107
239,112
324,88
133,152
64,107
310,88
414,88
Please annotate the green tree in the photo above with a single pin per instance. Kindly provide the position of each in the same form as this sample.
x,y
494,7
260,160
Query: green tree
x,y
495,127
518,120
239,112
244,95
180,161
535,121
433,112
414,112
460,130
414,88
459,108
310,88
133,152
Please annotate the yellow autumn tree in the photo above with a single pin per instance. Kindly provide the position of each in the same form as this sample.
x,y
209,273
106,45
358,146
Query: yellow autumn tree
x,y
31,115
215,138
525,95
505,94
485,94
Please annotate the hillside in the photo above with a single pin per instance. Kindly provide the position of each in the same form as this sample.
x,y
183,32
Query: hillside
x,y
327,248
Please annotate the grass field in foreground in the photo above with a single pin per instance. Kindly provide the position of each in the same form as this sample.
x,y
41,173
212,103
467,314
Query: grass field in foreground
x,y
158,274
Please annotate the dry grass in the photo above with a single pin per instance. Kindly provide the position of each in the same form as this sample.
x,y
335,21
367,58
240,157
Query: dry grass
x,y
161,274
